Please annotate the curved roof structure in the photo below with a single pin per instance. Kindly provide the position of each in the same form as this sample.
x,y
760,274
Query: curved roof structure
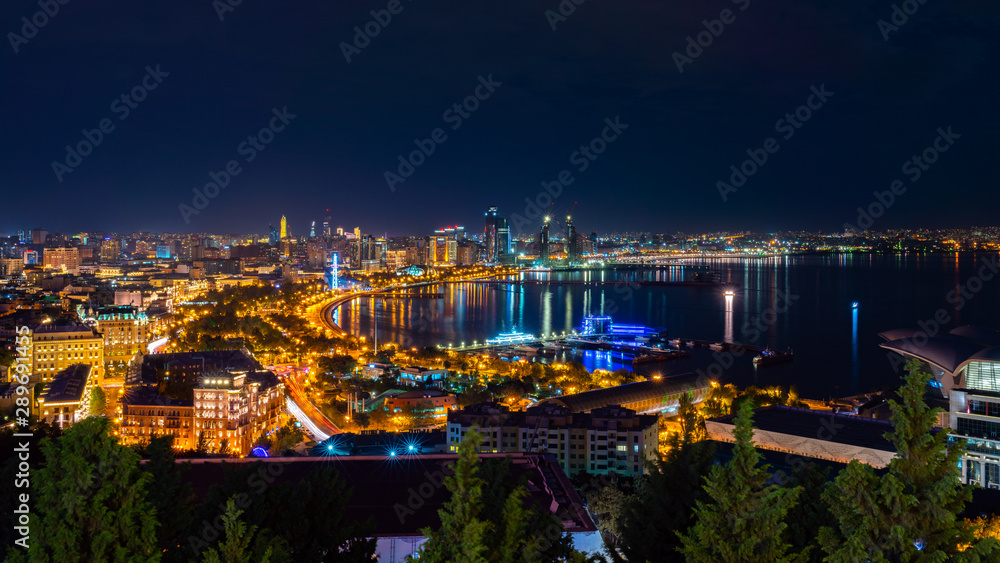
x,y
950,352
652,391
946,351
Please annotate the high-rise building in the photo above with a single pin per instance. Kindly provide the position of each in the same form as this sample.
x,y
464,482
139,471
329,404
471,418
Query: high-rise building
x,y
284,228
38,236
273,235
503,247
64,258
572,242
543,243
110,251
326,225
312,230
490,234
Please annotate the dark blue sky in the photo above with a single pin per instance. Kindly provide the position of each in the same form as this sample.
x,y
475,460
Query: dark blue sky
x,y
557,88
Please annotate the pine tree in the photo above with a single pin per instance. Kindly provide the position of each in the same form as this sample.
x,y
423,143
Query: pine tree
x,y
92,500
665,500
745,519
911,512
243,544
461,536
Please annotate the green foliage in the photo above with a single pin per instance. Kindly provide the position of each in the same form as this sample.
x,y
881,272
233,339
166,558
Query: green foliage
x,y
169,495
745,518
98,403
462,536
91,500
336,364
810,513
285,438
664,504
309,516
236,547
916,502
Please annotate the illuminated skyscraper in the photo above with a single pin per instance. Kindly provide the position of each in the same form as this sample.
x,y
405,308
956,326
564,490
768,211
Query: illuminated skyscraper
x,y
284,227
503,238
572,242
312,230
543,243
490,234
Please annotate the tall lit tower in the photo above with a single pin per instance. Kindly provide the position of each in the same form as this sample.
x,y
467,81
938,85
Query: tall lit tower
x,y
312,230
572,244
490,234
543,243
284,228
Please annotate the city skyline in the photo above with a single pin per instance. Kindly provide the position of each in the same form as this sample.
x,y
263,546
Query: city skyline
x,y
652,124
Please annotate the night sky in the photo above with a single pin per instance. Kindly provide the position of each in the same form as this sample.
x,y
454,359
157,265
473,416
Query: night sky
x,y
556,89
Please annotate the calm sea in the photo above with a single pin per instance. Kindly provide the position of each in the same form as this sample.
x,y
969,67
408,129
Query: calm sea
x,y
803,303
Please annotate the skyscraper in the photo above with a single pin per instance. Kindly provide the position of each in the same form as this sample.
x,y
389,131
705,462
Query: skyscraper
x,y
503,238
273,235
543,243
572,242
326,225
284,227
312,230
490,234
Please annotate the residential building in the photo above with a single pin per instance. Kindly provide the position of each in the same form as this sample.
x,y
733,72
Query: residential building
x,y
63,258
606,440
412,376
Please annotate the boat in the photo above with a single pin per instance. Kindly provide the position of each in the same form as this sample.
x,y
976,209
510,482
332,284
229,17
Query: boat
x,y
769,357
661,357
718,346
525,349
677,343
507,338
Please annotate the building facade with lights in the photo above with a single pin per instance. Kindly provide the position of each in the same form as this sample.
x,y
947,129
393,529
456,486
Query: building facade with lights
x,y
606,440
66,397
55,348
237,408
965,363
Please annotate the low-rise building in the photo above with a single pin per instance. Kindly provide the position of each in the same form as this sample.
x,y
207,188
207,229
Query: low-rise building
x,y
412,376
66,397
146,414
805,433
432,403
609,439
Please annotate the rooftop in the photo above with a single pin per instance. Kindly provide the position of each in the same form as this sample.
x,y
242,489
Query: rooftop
x,y
825,426
68,385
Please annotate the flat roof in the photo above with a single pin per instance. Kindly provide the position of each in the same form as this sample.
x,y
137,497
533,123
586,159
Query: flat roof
x,y
824,426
